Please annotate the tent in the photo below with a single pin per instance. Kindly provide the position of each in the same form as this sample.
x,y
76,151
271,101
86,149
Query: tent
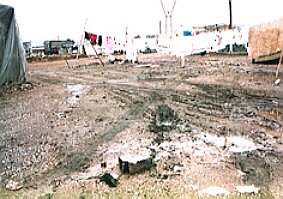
x,y
13,68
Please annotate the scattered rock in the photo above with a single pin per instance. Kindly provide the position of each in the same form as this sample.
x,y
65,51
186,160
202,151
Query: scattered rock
x,y
177,169
110,179
27,86
165,119
92,172
256,169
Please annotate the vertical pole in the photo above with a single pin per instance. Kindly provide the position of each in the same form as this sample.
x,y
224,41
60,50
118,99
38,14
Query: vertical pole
x,y
81,39
166,16
230,24
166,25
160,30
126,34
97,55
230,10
171,25
171,22
279,64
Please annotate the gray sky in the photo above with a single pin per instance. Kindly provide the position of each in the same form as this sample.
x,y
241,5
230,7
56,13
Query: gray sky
x,y
40,20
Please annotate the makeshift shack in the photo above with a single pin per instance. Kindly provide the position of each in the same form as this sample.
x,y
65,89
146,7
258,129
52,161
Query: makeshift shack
x,y
266,42
13,67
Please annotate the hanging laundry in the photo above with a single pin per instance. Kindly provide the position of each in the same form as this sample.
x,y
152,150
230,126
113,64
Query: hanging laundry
x,y
99,40
86,36
91,37
187,33
109,44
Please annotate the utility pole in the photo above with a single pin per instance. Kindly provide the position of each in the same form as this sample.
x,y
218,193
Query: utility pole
x,y
230,24
171,23
166,16
230,10
168,13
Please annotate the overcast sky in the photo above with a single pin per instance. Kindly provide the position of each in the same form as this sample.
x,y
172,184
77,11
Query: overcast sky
x,y
41,20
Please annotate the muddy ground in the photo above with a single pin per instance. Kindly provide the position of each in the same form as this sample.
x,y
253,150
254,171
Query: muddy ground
x,y
218,121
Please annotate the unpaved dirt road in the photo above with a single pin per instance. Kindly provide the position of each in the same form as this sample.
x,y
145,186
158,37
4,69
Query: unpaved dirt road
x,y
218,121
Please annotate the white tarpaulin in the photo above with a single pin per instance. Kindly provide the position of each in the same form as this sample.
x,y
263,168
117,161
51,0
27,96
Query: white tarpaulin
x,y
13,67
208,41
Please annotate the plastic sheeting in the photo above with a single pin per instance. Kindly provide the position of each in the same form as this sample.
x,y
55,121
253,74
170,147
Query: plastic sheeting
x,y
13,67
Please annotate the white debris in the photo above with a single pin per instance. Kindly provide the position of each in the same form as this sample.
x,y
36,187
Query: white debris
x,y
277,82
212,139
91,172
134,158
241,173
77,90
177,169
214,191
192,187
247,189
239,144
161,155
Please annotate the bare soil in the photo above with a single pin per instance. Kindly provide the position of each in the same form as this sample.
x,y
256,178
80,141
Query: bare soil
x,y
218,121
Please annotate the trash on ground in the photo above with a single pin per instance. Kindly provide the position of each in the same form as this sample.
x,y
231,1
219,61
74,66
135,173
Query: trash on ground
x,y
247,189
14,186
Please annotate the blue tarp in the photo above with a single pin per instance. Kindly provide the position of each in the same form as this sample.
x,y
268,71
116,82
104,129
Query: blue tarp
x,y
187,33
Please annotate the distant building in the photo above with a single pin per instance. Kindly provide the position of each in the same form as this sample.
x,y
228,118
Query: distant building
x,y
146,43
58,46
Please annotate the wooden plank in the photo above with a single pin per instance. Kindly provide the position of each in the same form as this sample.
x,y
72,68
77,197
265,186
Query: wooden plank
x,y
265,40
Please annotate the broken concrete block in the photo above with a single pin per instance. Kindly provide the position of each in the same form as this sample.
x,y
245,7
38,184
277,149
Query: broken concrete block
x,y
133,164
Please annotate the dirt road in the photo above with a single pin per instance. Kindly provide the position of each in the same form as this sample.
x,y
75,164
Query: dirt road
x,y
219,120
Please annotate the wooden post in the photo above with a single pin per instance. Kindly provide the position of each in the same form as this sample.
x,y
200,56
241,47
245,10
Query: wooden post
x,y
279,64
97,55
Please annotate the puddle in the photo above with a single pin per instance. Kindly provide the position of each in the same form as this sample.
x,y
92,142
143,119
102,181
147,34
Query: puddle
x,y
77,90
